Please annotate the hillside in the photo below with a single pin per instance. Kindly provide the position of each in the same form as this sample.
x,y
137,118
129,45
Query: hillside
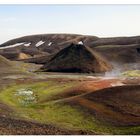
x,y
117,105
5,63
78,106
43,44
121,54
8,68
40,48
75,87
77,58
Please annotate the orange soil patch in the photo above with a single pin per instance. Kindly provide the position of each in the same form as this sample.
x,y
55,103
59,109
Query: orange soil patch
x,y
23,56
97,85
82,88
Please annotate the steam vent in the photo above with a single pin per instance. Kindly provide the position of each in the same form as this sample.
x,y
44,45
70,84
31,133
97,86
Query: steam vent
x,y
77,58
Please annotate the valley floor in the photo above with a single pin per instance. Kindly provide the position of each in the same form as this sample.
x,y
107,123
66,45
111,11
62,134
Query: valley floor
x,y
52,103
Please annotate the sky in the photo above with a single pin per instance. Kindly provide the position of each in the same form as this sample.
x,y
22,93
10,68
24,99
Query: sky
x,y
97,20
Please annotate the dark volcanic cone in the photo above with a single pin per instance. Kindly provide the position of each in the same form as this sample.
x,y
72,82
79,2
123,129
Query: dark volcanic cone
x,y
77,58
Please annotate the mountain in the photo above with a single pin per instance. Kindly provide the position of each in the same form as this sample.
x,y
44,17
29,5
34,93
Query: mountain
x,y
77,58
41,48
44,44
120,53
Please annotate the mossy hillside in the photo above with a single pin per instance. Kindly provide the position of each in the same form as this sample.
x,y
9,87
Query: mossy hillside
x,y
48,112
42,90
59,114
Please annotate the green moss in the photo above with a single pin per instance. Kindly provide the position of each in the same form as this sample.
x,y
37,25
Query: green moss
x,y
42,91
62,115
132,73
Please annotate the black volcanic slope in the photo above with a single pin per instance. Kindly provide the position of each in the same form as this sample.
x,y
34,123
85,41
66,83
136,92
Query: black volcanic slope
x,y
120,105
77,58
118,50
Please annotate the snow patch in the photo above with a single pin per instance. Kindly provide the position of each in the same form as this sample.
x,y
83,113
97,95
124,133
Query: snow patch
x,y
50,43
27,44
39,43
80,43
12,46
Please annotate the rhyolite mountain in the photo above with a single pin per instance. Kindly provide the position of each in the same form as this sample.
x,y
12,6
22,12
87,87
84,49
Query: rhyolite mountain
x,y
77,58
41,48
40,45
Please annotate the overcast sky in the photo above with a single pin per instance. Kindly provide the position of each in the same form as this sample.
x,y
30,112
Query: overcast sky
x,y
98,20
